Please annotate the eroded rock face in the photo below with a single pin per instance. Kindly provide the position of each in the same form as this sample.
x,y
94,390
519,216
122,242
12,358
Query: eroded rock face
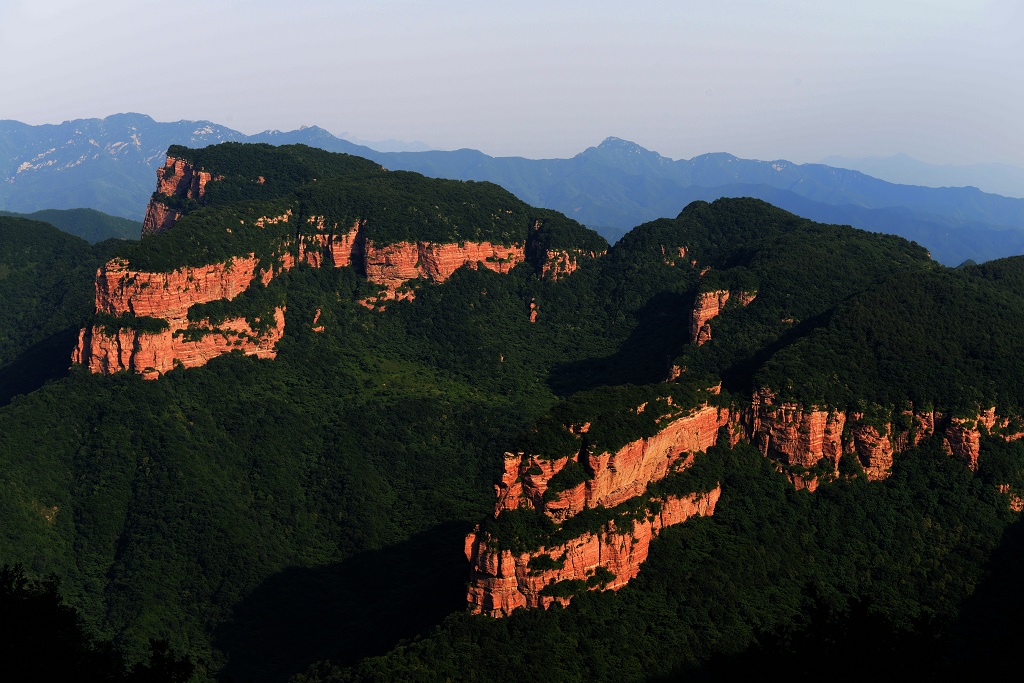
x,y
560,263
393,265
177,178
329,247
709,305
615,477
121,290
153,354
167,297
502,581
795,435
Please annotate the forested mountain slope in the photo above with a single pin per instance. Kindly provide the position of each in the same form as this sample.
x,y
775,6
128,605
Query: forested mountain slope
x,y
313,380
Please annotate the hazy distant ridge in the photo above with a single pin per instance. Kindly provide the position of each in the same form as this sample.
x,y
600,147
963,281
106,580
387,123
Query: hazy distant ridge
x,y
108,164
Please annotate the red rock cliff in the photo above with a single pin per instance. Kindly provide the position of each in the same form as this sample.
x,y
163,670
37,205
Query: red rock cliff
x,y
798,435
393,265
177,178
153,354
502,581
168,297
709,305
560,263
615,477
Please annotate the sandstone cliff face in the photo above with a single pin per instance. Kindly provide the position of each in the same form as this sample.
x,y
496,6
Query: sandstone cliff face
x,y
615,477
709,305
153,354
796,435
329,247
177,178
120,289
393,265
502,581
560,263
168,297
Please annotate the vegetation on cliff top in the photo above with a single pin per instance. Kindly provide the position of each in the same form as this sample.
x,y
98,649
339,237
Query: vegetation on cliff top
x,y
263,515
253,181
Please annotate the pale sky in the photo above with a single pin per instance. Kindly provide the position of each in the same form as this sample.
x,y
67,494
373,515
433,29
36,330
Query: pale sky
x,y
941,80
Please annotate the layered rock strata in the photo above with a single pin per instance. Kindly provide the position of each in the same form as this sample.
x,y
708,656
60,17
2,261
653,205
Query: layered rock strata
x,y
392,266
800,437
502,581
613,477
151,354
165,298
560,263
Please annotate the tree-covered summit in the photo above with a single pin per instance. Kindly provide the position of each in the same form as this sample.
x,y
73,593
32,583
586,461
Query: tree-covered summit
x,y
253,181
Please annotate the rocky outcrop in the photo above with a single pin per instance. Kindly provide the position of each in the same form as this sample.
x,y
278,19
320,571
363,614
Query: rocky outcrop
x,y
159,217
392,266
1016,503
330,247
122,290
178,178
560,263
165,298
151,354
709,305
614,477
502,581
800,437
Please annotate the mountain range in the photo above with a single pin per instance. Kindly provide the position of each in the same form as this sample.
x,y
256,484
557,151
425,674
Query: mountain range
x,y
330,422
107,164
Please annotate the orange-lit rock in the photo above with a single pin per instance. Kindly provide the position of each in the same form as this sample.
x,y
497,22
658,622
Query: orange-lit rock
x,y
798,435
625,473
559,263
159,217
393,265
794,435
329,247
178,178
1016,502
120,289
709,305
615,477
502,581
153,354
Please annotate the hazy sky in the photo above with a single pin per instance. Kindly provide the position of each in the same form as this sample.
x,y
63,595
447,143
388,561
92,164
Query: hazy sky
x,y
942,80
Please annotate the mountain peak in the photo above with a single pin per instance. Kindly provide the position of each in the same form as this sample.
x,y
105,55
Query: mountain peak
x,y
624,153
618,144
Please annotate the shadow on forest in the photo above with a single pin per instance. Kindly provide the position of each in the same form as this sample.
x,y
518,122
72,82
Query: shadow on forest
x,y
344,612
645,357
45,360
987,636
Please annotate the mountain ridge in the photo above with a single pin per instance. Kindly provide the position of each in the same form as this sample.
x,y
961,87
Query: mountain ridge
x,y
611,186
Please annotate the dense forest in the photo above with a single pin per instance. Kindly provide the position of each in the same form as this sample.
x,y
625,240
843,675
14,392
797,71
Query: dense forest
x,y
304,518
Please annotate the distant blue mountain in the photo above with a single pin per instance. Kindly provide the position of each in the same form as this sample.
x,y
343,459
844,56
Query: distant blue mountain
x,y
108,164
1001,179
